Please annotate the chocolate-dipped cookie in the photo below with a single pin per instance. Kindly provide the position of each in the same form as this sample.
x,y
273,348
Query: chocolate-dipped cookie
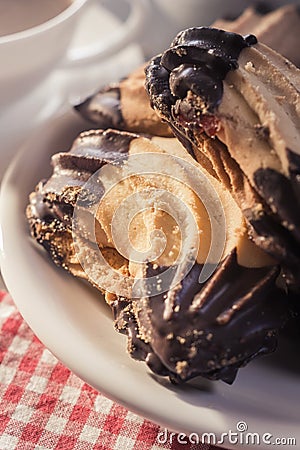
x,y
190,326
124,106
210,329
243,98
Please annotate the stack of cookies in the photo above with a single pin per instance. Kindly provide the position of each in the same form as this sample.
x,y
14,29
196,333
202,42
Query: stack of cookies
x,y
181,205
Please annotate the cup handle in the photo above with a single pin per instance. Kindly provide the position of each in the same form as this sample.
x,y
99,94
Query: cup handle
x,y
115,41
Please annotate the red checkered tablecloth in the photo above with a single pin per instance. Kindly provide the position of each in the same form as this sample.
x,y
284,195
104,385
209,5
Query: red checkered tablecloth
x,y
44,406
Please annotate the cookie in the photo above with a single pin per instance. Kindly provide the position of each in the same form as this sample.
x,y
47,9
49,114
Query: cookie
x,y
180,324
242,97
124,106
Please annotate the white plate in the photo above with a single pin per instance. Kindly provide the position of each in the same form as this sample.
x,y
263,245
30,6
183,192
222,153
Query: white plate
x,y
74,323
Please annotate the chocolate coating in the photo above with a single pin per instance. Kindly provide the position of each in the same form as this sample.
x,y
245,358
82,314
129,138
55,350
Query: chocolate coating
x,y
103,108
51,205
271,233
294,171
209,330
276,189
198,59
263,8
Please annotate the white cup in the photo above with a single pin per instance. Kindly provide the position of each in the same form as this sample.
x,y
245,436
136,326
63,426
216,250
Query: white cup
x,y
168,17
27,57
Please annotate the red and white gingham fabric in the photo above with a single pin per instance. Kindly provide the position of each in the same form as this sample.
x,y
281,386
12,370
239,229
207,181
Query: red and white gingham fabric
x,y
44,406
